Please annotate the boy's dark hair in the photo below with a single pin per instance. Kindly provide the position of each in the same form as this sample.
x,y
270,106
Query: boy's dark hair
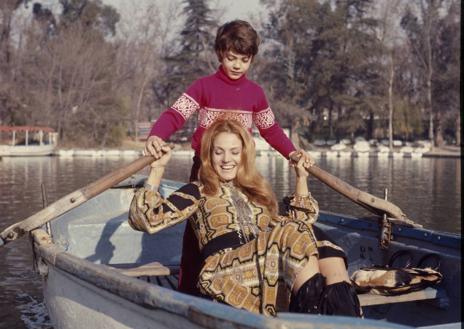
x,y
238,36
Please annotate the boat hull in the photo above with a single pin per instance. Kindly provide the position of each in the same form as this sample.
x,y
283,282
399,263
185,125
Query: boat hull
x,y
84,289
82,295
74,303
26,150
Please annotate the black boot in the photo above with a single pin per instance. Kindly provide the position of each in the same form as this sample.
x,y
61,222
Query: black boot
x,y
308,297
340,299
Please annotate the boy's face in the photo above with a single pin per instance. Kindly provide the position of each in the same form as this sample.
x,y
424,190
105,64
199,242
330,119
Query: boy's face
x,y
235,65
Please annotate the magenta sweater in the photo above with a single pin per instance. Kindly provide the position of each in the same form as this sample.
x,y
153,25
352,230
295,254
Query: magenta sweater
x,y
217,96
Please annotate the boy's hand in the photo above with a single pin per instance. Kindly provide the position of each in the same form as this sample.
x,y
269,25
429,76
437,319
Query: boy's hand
x,y
153,147
166,153
302,162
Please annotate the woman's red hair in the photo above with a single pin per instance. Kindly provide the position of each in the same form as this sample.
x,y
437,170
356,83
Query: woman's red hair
x,y
248,179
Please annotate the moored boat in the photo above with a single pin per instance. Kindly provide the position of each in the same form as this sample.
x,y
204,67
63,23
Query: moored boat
x,y
27,141
99,273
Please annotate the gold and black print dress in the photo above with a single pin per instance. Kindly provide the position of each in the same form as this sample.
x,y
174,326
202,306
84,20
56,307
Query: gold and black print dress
x,y
254,270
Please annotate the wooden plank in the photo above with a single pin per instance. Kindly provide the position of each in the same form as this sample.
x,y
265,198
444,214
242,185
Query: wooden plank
x,y
374,299
160,275
150,269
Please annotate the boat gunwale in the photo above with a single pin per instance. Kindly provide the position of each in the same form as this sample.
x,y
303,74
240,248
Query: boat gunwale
x,y
194,309
443,239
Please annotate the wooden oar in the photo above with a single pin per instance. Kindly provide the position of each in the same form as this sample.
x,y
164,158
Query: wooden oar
x,y
370,202
72,200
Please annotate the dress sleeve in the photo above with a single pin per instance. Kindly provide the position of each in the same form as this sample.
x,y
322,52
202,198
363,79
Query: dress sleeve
x,y
173,118
275,220
304,208
149,212
269,129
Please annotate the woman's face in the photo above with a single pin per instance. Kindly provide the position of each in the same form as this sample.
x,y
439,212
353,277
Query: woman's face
x,y
235,65
226,155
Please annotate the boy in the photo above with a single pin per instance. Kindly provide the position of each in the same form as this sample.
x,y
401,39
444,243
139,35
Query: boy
x,y
225,94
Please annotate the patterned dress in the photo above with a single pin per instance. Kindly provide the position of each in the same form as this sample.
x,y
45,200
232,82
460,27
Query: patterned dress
x,y
256,275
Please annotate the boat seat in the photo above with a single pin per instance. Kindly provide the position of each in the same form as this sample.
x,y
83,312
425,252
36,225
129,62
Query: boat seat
x,y
370,299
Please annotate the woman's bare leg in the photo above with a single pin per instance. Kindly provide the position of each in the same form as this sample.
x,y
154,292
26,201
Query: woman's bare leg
x,y
334,270
311,268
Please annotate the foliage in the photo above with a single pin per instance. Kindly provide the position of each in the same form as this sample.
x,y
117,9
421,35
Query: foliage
x,y
195,44
435,48
329,55
64,75
331,68
193,56
407,121
93,15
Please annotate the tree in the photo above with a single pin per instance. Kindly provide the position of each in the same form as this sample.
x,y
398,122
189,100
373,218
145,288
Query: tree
x,y
64,75
446,82
140,47
421,22
9,100
388,35
192,58
91,14
7,9
328,51
285,46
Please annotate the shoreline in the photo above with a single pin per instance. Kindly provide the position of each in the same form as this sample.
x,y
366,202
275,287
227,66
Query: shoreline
x,y
135,149
130,148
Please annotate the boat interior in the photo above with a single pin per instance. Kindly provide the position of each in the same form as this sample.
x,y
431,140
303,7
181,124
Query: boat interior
x,y
108,239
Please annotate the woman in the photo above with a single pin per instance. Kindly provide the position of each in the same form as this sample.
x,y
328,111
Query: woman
x,y
253,258
228,93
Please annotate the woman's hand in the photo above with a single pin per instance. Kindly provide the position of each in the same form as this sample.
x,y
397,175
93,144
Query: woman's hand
x,y
153,147
157,168
163,160
301,161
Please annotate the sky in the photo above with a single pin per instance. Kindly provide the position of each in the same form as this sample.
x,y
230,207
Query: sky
x,y
233,9
240,9
225,10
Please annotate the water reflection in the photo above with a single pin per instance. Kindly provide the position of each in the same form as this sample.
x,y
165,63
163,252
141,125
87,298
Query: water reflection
x,y
427,190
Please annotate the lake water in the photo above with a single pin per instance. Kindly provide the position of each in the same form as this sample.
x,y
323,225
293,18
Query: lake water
x,y
428,190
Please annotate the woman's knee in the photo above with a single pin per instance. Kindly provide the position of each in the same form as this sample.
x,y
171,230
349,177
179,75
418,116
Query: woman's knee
x,y
333,269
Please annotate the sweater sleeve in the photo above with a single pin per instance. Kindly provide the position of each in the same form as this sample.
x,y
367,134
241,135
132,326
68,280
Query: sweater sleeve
x,y
269,129
151,213
173,118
